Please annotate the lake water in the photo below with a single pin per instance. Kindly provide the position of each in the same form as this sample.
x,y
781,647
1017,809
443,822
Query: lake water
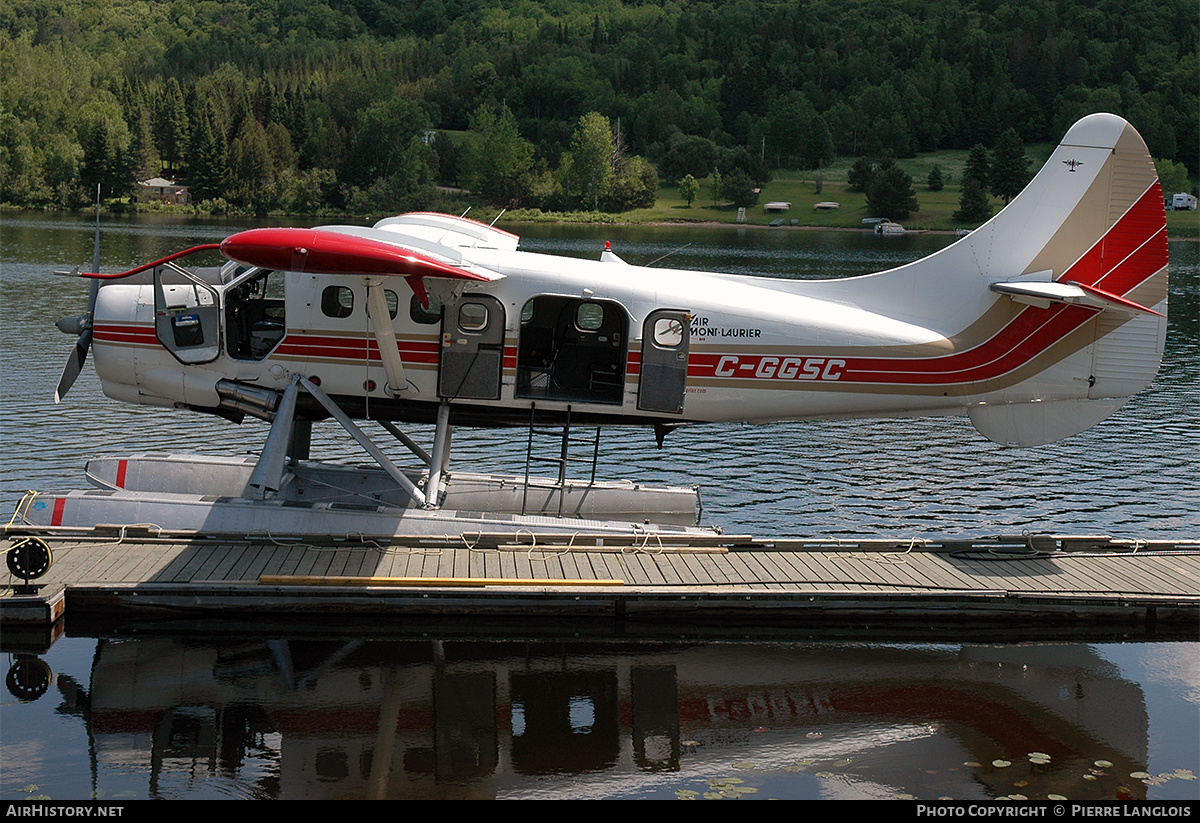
x,y
529,711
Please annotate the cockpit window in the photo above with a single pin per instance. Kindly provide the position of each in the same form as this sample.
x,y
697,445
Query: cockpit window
x,y
254,315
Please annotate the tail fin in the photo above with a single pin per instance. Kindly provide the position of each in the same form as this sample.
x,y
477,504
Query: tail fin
x,y
1087,245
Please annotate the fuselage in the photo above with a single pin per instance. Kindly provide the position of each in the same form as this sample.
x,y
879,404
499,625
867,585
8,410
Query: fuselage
x,y
500,334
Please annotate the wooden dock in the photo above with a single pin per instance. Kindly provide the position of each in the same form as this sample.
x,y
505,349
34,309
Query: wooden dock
x,y
1023,579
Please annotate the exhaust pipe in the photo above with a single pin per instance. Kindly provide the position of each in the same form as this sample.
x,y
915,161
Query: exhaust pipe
x,y
253,400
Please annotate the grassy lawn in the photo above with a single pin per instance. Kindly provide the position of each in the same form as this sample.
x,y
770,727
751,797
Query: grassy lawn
x,y
799,188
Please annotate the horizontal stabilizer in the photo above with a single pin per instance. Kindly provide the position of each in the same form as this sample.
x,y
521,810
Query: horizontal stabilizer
x,y
1042,294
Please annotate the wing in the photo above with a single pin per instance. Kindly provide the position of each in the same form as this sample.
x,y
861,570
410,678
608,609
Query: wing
x,y
346,250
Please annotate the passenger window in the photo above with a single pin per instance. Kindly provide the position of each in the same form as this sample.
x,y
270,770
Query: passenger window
x,y
589,316
426,315
393,303
337,301
472,317
668,332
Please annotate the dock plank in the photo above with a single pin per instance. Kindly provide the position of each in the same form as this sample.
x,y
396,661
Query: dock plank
x,y
883,574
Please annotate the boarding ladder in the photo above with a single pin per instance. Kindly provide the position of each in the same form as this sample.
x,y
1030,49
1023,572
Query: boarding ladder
x,y
565,439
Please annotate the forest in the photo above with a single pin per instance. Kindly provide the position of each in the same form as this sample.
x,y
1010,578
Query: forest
x,y
364,106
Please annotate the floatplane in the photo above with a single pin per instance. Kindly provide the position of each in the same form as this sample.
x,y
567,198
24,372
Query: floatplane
x,y
1037,325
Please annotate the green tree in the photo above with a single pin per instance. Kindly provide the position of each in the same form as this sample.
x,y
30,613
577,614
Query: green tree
x,y
636,187
252,170
592,151
977,167
1009,172
208,160
738,187
860,174
973,204
935,181
891,194
144,157
689,189
1173,177
106,149
816,144
172,129
499,159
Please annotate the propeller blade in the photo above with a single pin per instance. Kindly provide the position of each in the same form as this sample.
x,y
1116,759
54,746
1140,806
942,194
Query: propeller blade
x,y
74,365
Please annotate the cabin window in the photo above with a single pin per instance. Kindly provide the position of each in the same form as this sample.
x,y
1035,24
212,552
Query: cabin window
x,y
668,332
472,317
589,316
337,301
393,303
425,315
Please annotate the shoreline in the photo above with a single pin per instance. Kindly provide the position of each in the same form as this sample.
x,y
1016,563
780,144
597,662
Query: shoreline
x,y
318,219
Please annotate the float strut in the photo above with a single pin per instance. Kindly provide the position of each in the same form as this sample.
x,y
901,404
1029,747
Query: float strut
x,y
269,470
346,423
440,458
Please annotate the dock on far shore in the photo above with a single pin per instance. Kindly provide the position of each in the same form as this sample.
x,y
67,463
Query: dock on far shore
x,y
1003,581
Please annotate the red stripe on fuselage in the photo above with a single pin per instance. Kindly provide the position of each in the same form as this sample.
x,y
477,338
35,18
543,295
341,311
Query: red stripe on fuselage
x,y
135,334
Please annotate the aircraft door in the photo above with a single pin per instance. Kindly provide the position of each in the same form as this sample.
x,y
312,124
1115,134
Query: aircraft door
x,y
187,316
665,342
472,355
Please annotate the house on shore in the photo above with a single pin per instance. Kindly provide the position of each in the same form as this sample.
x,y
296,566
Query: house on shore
x,y
166,191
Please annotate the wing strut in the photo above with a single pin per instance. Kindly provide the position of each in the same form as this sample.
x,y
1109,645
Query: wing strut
x,y
385,336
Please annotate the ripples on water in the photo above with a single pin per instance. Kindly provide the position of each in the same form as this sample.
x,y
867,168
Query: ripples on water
x,y
1130,476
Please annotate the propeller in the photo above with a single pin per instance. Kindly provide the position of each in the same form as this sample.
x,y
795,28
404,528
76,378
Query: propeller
x,y
80,326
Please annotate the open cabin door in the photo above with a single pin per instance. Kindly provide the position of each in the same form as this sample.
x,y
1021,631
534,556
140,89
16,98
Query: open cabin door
x,y
472,355
187,315
665,341
572,350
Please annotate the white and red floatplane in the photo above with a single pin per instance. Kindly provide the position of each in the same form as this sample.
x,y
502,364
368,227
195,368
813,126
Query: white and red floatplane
x,y
1037,325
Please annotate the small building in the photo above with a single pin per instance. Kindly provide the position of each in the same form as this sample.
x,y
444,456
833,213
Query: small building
x,y
166,191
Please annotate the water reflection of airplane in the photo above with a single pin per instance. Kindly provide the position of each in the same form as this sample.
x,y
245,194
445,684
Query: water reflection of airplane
x,y
1037,325
428,719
